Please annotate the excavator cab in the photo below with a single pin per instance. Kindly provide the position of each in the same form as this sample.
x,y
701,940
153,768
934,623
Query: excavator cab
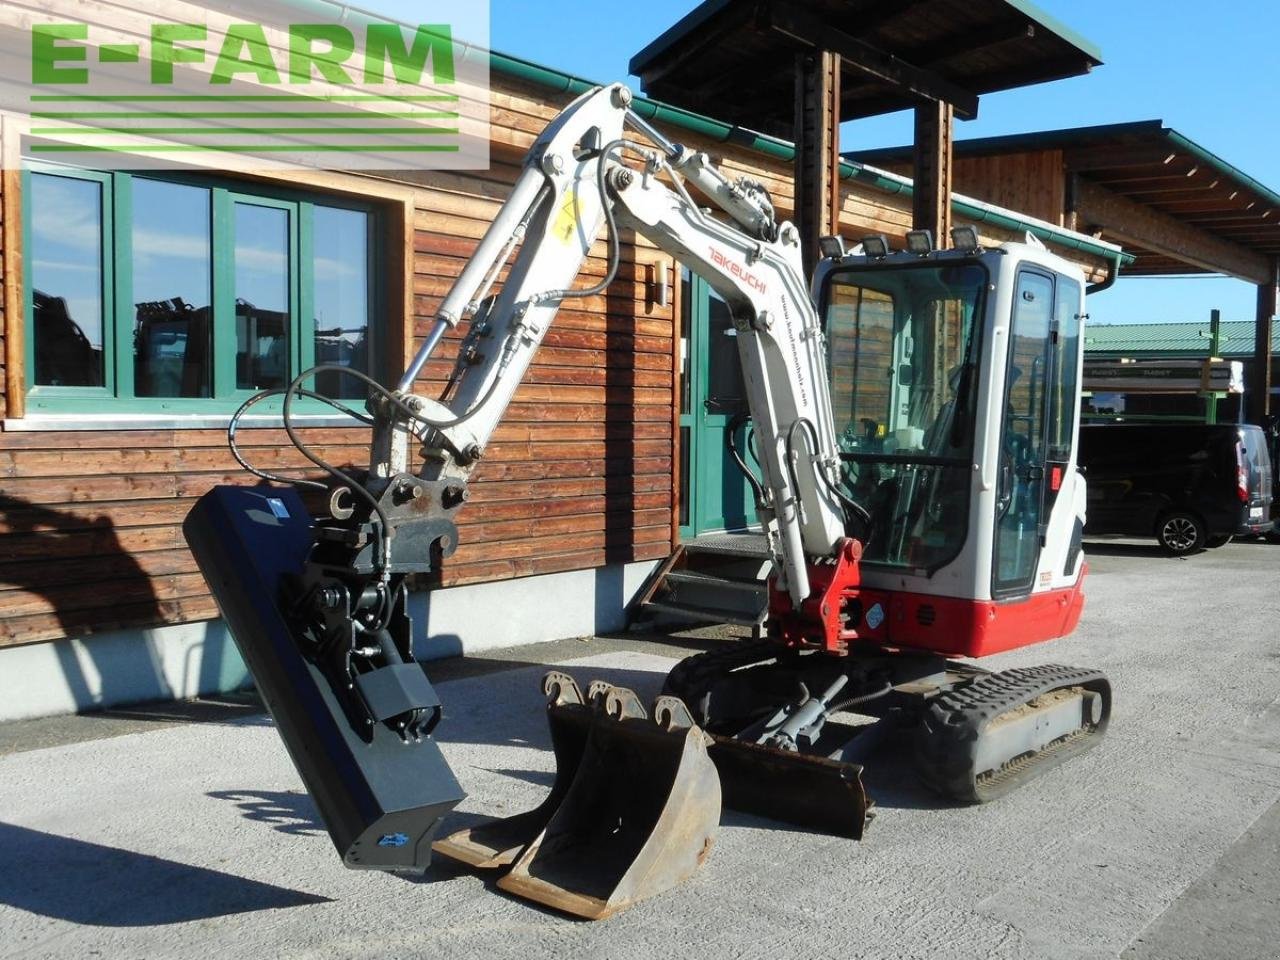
x,y
954,384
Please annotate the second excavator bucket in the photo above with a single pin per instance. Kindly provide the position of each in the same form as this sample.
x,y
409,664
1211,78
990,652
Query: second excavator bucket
x,y
633,811
639,817
497,843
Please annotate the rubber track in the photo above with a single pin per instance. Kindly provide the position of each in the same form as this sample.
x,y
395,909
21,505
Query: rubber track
x,y
952,723
693,676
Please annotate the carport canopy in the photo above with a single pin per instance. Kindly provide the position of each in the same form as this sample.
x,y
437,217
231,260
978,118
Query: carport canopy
x,y
798,68
734,59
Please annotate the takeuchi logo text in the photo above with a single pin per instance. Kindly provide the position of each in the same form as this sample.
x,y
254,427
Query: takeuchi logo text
x,y
311,52
733,268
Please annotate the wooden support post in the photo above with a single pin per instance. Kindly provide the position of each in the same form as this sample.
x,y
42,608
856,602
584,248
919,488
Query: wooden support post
x,y
817,162
931,201
1259,384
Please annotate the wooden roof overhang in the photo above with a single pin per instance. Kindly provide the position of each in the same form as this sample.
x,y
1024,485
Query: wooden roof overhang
x,y
734,59
1175,205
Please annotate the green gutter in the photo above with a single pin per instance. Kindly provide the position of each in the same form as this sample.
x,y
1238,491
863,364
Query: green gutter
x,y
559,82
1266,193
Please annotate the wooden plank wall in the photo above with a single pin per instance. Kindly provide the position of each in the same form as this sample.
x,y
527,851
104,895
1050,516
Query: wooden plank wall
x,y
1033,183
579,475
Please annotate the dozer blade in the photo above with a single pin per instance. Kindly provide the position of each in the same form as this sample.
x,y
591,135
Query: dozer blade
x,y
639,816
497,843
816,793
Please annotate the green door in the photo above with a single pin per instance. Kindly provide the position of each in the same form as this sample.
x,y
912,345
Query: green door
x,y
714,495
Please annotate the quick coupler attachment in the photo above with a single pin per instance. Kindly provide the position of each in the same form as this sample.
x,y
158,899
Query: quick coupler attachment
x,y
633,812
353,708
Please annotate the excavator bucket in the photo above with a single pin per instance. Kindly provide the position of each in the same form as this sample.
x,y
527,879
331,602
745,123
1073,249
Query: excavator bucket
x,y
639,817
496,843
633,810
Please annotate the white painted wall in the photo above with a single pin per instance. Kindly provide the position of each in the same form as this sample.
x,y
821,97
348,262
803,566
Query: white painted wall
x,y
168,663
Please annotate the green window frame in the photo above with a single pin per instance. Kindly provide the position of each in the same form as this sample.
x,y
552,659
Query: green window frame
x,y
117,394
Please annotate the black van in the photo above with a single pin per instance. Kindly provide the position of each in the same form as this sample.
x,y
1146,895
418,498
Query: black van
x,y
1189,485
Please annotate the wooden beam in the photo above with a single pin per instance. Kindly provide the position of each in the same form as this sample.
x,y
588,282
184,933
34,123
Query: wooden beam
x,y
1133,223
1258,385
1239,221
793,21
817,160
15,362
1219,205
981,40
931,197
1087,159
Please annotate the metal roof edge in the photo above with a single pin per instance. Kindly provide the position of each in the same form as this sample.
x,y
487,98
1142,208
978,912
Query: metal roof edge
x,y
685,25
1030,10
1222,166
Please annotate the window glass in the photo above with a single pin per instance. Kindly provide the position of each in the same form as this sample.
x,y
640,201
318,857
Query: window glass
x,y
1066,362
262,297
341,301
187,293
686,332
903,348
66,255
1022,454
726,391
172,293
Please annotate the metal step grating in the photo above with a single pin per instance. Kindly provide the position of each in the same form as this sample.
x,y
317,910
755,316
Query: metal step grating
x,y
714,578
743,543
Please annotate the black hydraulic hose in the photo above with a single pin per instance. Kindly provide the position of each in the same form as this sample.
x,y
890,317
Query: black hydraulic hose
x,y
848,502
853,701
615,245
757,490
266,395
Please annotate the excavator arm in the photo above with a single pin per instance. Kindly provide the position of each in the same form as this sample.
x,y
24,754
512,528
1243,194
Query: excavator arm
x,y
575,182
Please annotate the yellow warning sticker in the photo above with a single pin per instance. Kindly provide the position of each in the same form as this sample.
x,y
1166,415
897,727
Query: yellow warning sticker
x,y
566,222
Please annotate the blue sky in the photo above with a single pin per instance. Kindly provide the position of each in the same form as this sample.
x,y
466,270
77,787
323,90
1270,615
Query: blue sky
x,y
1210,72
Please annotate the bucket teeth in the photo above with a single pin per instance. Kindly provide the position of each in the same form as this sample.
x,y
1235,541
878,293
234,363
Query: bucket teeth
x,y
633,810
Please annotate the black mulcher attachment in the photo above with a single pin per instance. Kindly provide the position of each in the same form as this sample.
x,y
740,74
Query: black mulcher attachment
x,y
330,656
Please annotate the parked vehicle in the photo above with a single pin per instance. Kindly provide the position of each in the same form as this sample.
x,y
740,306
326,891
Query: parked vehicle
x,y
1190,486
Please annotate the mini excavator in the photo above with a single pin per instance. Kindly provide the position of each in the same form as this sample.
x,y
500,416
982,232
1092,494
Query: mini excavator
x,y
915,416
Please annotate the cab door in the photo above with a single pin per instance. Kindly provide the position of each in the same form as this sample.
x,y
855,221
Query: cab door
x,y
1020,501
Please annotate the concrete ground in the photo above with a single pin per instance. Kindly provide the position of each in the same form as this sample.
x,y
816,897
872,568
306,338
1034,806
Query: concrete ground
x,y
183,831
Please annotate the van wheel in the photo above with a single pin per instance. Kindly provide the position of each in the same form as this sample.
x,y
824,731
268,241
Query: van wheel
x,y
1221,540
1181,533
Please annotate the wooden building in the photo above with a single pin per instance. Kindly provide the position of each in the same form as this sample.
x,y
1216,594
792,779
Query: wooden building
x,y
110,427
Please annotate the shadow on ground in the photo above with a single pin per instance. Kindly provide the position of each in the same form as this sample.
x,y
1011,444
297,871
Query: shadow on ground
x,y
97,885
1127,548
504,708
